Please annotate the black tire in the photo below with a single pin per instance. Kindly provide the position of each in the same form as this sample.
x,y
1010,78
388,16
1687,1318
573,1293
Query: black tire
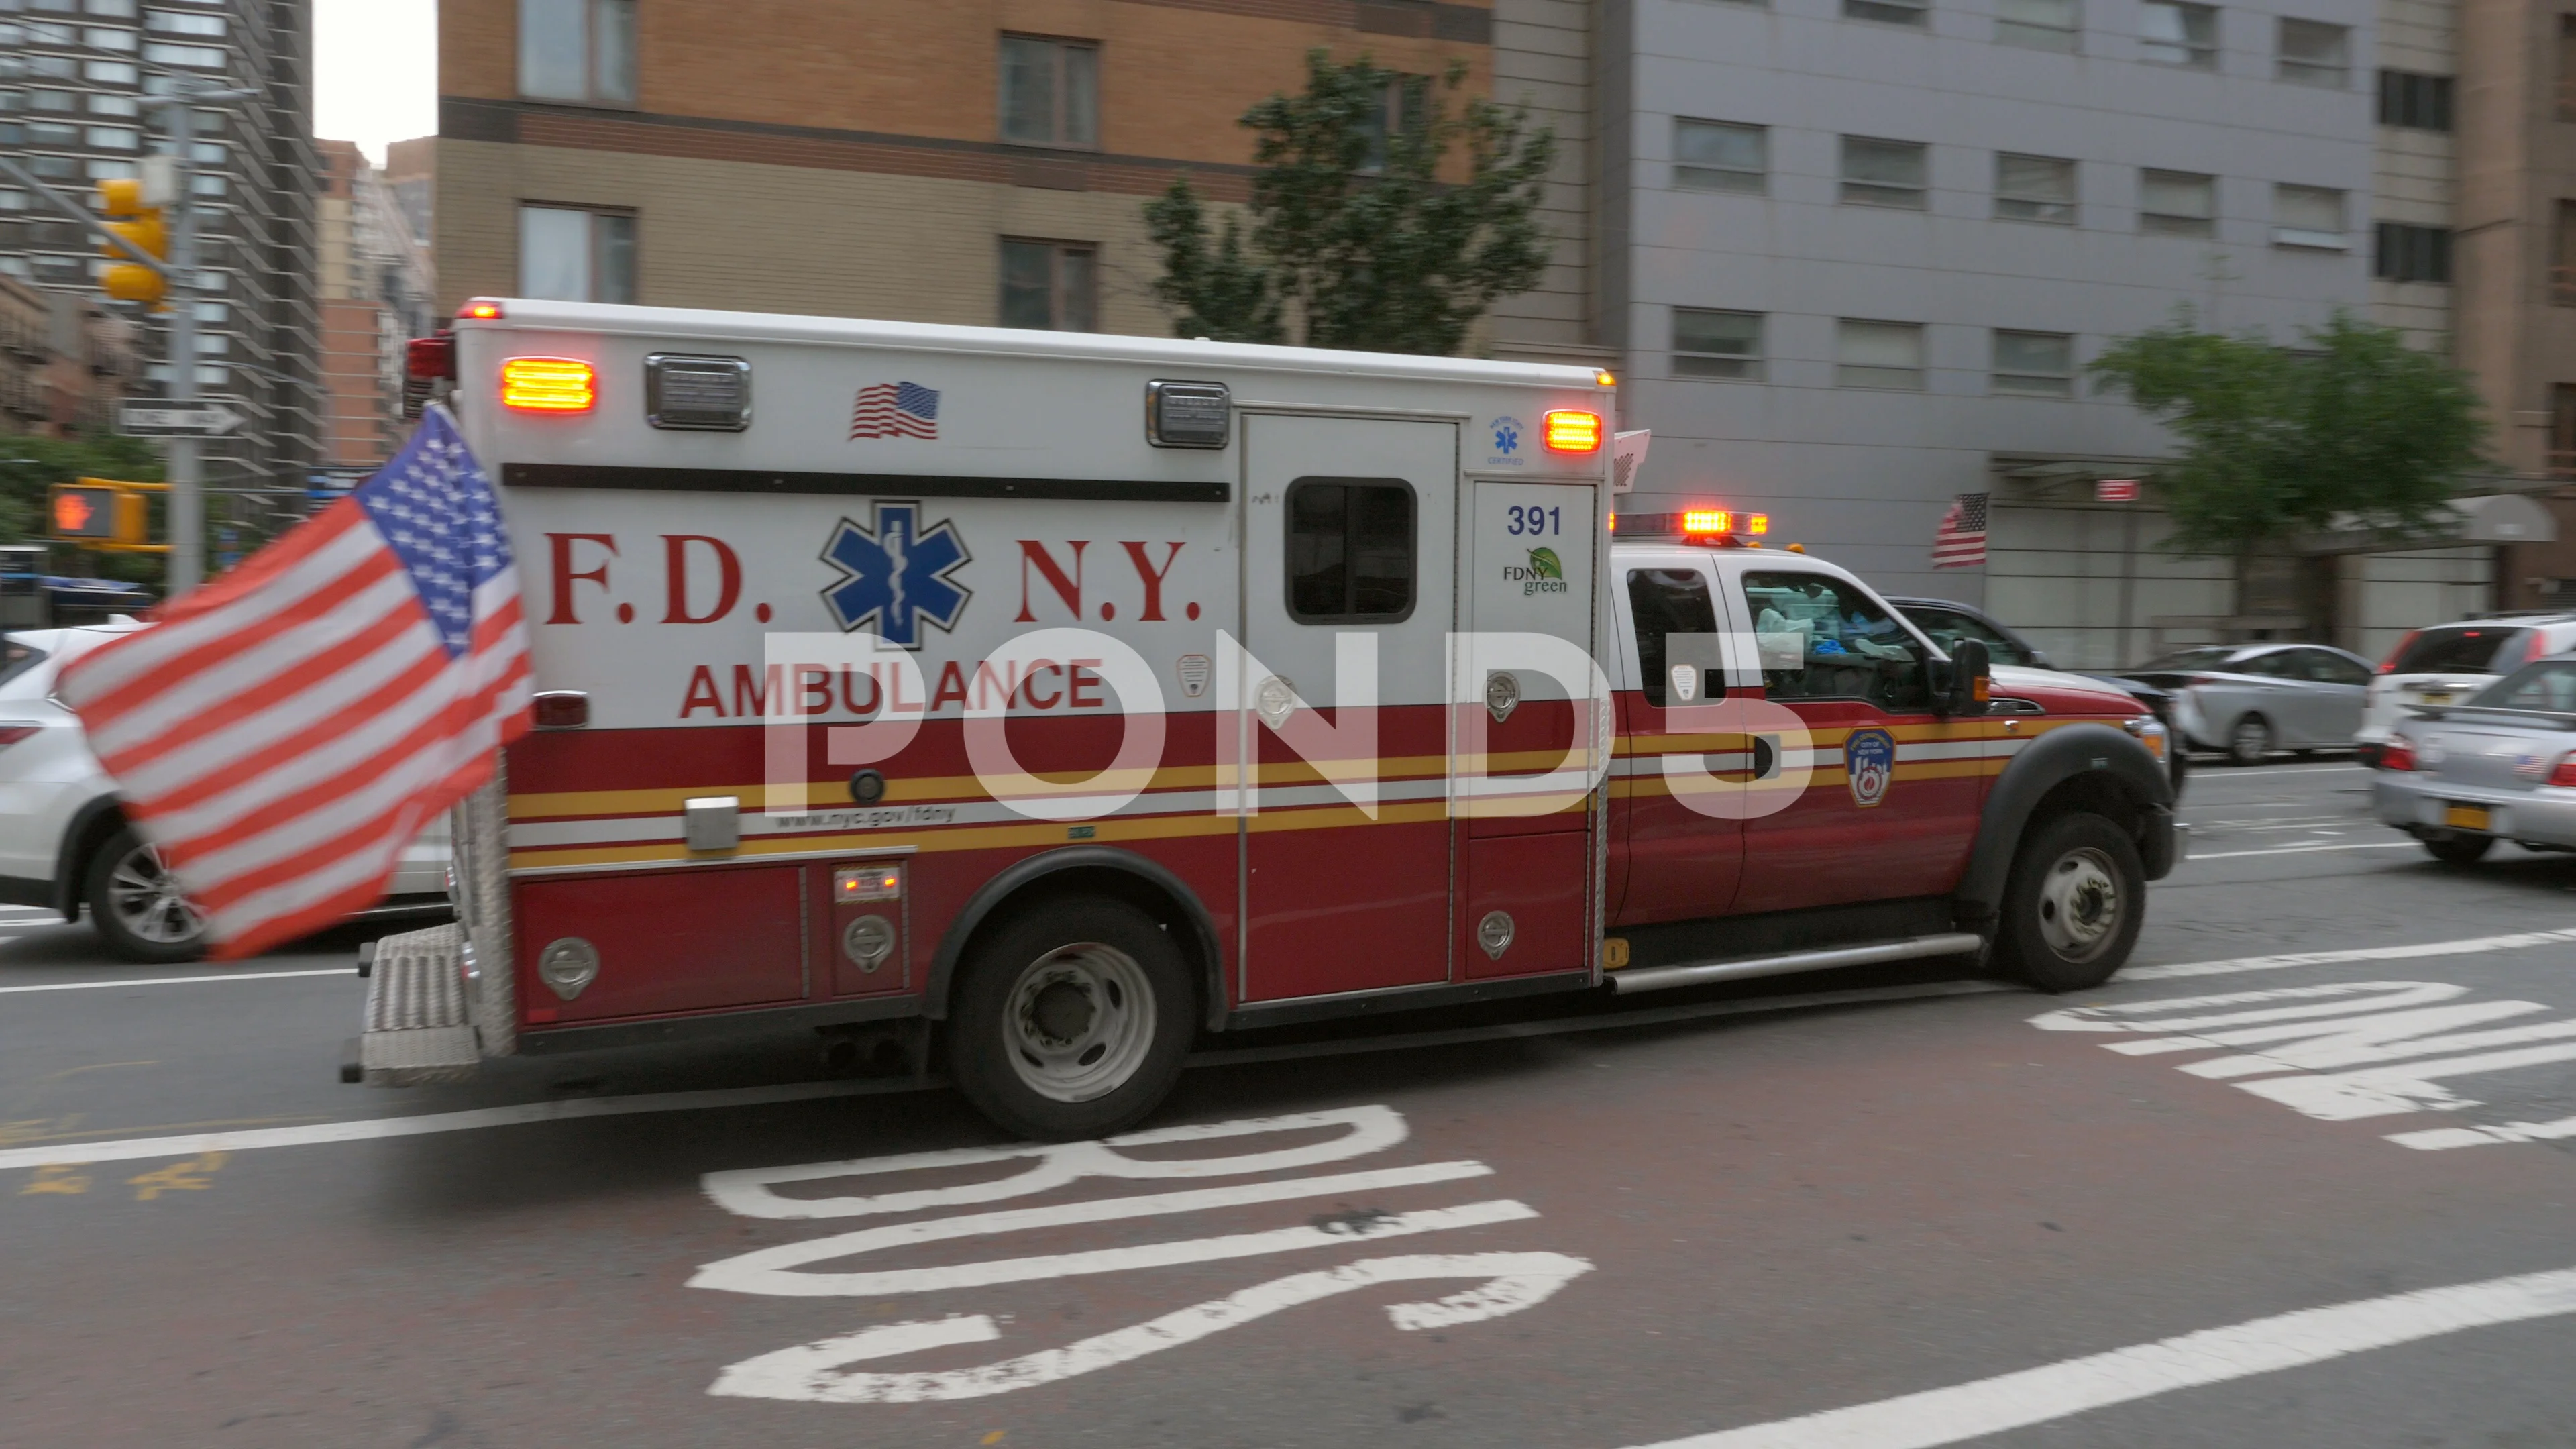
x,y
2073,906
136,905
1040,981
2455,849
2249,740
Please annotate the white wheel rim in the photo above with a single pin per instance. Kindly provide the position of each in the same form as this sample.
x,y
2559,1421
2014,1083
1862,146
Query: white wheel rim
x,y
2253,741
1079,1022
146,899
2079,904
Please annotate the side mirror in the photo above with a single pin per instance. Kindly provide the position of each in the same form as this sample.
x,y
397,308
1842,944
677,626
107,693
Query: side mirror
x,y
1970,679
2039,660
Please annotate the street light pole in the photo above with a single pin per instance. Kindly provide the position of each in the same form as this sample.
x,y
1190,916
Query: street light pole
x,y
187,566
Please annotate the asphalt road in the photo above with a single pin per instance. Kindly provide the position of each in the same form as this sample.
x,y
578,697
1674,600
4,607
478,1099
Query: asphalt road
x,y
1870,1210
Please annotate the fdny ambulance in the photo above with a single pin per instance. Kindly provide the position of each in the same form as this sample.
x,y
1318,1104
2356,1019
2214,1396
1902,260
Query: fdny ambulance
x,y
1049,699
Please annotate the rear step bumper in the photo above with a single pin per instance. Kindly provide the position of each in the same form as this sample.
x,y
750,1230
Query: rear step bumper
x,y
1743,968
417,1027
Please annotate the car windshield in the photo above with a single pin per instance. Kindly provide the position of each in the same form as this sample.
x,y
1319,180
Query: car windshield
x,y
2549,687
2455,650
2201,657
17,656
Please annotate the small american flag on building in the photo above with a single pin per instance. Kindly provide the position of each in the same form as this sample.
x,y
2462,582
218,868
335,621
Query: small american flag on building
x,y
282,733
895,410
1960,542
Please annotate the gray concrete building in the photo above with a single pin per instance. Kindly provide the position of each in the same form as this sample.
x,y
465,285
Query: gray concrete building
x,y
74,79
1853,256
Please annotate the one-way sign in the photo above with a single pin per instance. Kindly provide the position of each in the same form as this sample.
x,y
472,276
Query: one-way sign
x,y
175,420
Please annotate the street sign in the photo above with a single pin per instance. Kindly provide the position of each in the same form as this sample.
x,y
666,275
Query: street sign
x,y
2116,490
179,420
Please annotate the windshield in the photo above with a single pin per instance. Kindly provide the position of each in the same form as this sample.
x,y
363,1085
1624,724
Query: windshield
x,y
2202,656
2550,687
2455,650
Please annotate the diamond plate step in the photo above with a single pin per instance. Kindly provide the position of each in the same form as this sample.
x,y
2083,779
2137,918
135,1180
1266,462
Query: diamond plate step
x,y
417,1027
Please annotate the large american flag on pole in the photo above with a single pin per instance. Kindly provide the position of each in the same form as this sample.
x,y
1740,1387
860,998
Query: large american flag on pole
x,y
282,733
1960,542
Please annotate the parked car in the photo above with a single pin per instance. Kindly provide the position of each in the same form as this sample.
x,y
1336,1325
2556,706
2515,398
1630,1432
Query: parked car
x,y
2446,663
64,841
2252,699
1948,622
2499,765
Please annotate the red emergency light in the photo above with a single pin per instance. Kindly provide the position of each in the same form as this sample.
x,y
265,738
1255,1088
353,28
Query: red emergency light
x,y
549,385
431,359
1568,430
481,309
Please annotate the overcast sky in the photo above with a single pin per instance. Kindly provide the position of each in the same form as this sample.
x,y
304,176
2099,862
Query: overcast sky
x,y
375,71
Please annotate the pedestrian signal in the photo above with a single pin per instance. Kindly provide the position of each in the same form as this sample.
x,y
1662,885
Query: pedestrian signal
x,y
84,512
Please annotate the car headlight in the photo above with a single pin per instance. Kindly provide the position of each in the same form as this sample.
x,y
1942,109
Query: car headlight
x,y
2150,732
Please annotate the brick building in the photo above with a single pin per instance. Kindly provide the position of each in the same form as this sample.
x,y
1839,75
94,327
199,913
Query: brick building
x,y
65,361
966,162
374,289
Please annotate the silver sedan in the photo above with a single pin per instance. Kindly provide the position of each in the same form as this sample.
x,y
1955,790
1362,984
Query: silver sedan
x,y
2501,766
2252,699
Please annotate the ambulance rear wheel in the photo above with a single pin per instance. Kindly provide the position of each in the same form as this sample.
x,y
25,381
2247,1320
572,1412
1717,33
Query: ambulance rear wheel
x,y
2072,910
1072,1021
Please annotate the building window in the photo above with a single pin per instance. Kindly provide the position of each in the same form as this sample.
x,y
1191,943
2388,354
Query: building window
x,y
2035,188
578,50
103,104
165,22
202,57
1051,91
2562,430
12,199
1350,550
201,184
2308,216
113,170
114,138
1709,343
1049,285
2177,203
1879,354
110,72
2562,271
2039,24
568,254
54,168
49,133
101,37
2314,54
59,102
2172,33
2567,67
2411,253
2034,364
56,67
2417,102
113,9
1884,173
1889,12
1719,156
40,33
1398,113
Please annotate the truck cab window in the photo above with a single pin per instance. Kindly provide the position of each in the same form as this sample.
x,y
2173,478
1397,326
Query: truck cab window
x,y
1822,638
1350,550
1669,601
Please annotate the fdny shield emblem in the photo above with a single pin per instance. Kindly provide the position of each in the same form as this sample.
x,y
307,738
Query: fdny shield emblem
x,y
1869,759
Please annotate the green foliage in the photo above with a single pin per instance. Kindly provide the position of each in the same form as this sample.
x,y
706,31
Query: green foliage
x,y
2352,426
1351,231
31,466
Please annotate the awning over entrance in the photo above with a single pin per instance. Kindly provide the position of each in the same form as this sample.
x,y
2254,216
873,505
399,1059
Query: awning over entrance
x,y
2487,518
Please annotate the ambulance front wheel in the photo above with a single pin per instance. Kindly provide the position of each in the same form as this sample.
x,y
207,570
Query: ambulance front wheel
x,y
2074,904
1071,1020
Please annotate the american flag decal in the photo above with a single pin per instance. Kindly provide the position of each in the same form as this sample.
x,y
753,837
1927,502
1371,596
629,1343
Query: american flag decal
x,y
1960,542
895,410
282,733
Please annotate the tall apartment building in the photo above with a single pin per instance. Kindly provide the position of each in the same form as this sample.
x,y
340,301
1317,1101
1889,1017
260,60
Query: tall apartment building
x,y
74,79
970,163
374,290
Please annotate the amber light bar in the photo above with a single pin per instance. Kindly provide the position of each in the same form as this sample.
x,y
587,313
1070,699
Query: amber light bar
x,y
1570,431
549,385
1691,523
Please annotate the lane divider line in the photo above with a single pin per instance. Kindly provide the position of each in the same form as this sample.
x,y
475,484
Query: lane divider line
x,y
2190,1360
520,1114
2442,1139
2304,849
2465,946
347,971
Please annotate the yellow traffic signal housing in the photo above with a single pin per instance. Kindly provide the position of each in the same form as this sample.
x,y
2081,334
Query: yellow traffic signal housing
x,y
130,281
105,514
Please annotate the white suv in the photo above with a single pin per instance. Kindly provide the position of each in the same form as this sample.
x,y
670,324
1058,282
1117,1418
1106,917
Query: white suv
x,y
64,843
2444,663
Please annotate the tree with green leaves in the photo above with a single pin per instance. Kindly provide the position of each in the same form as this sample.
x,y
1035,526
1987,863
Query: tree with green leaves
x,y
2351,428
30,466
1351,233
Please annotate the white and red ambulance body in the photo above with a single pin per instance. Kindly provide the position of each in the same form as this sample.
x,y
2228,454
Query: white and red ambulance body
x,y
1082,693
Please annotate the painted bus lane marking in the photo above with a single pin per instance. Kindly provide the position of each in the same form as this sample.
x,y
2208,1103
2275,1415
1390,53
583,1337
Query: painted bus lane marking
x,y
2345,1051
1497,1284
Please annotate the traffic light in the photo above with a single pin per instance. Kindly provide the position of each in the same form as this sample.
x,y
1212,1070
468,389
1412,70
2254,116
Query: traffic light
x,y
128,280
104,514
